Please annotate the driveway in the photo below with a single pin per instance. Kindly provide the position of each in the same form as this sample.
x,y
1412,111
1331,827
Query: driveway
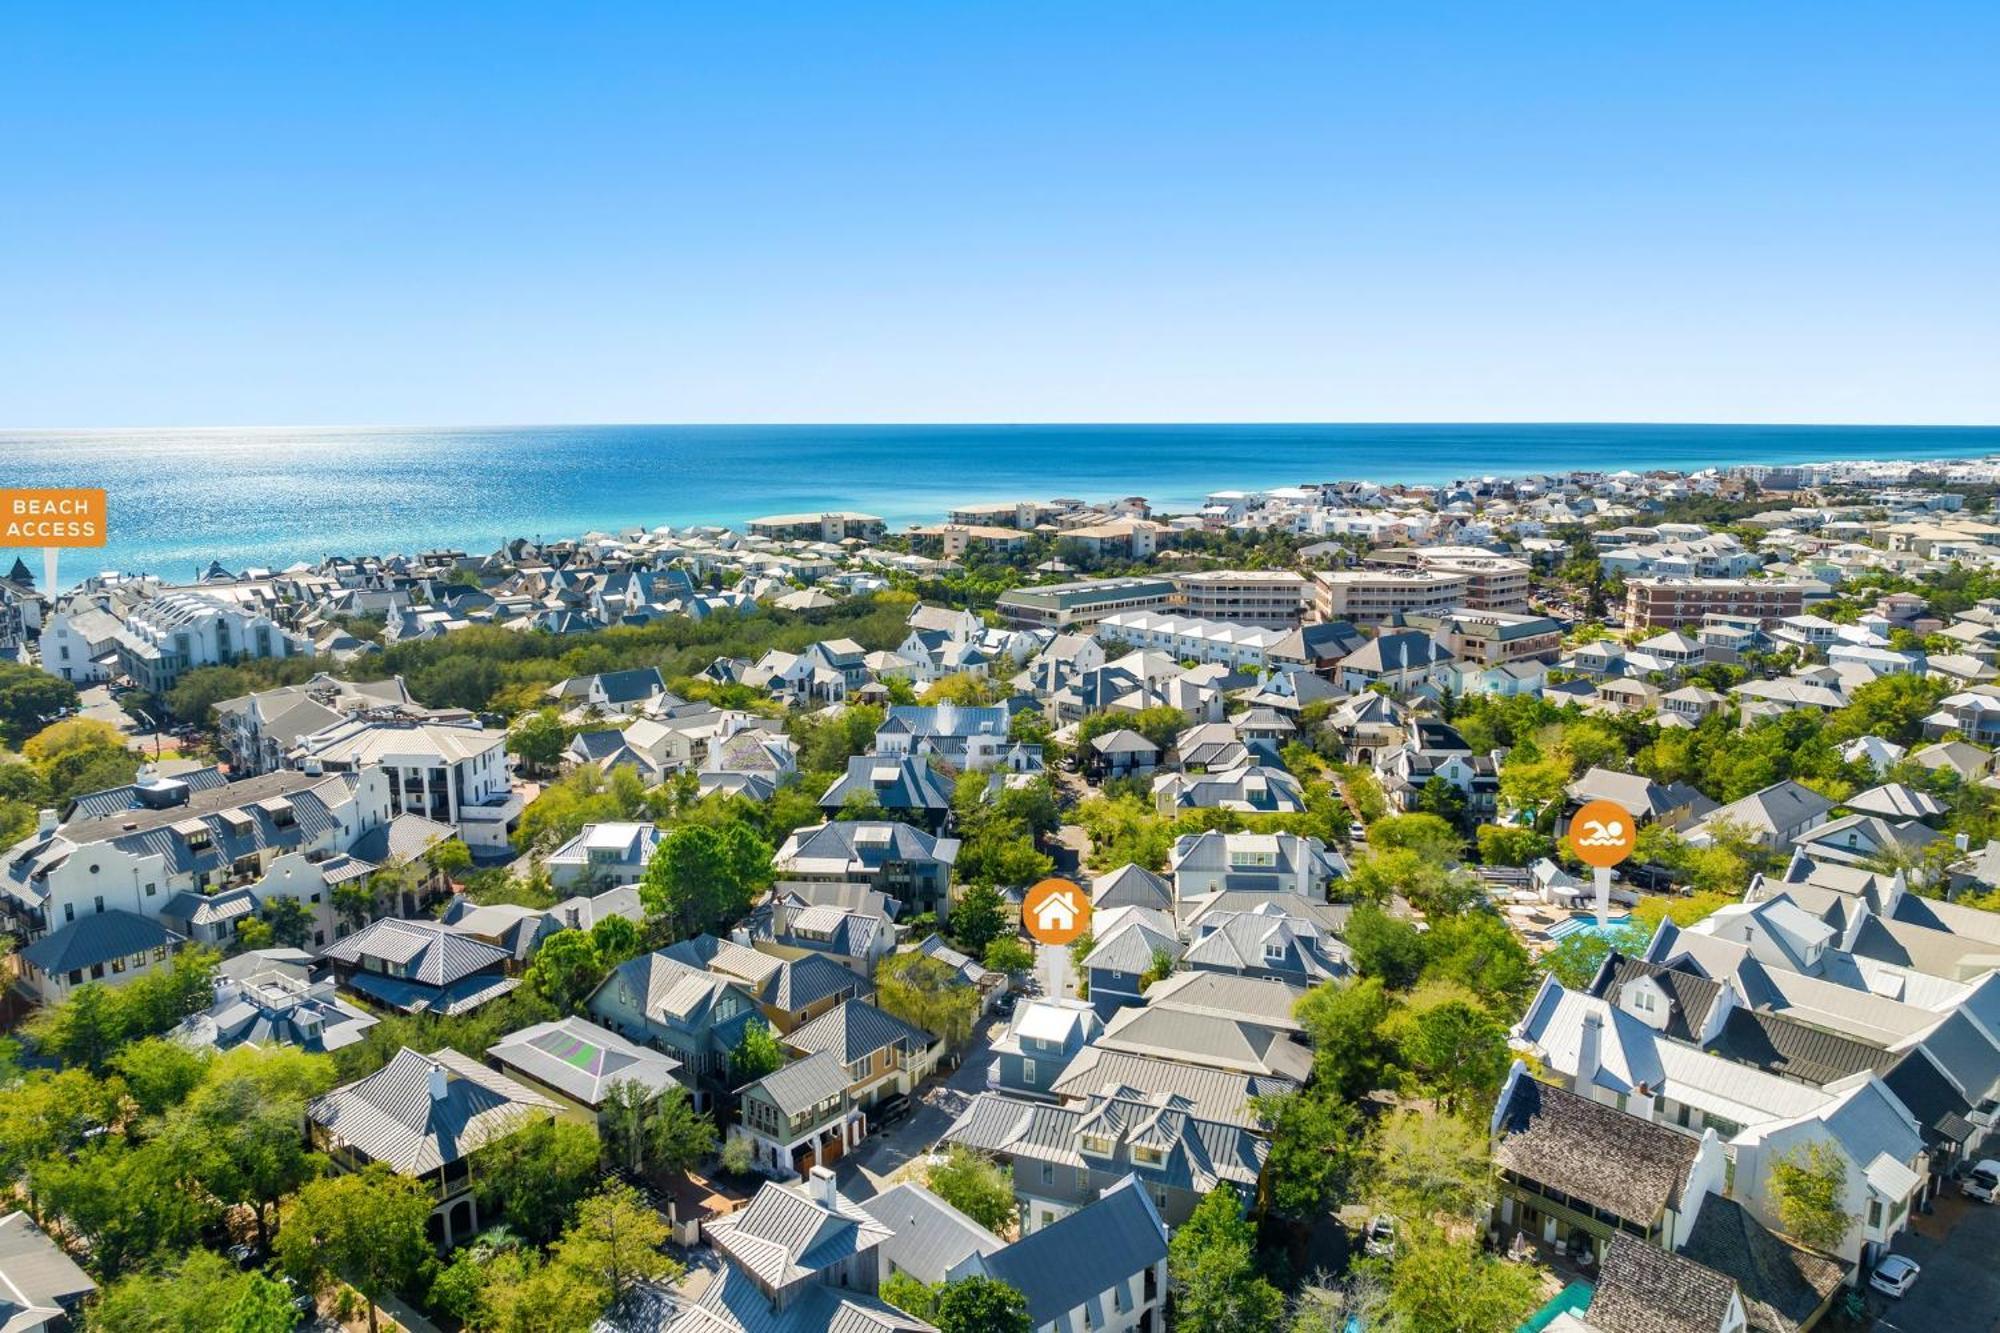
x,y
1054,976
95,701
865,1172
1959,1288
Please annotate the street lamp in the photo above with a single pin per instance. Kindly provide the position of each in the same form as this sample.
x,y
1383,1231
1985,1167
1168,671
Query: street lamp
x,y
147,718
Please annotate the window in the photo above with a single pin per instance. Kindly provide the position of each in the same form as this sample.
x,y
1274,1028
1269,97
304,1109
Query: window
x,y
1874,1214
1148,1156
99,901
69,911
1097,1144
1027,1071
1048,1173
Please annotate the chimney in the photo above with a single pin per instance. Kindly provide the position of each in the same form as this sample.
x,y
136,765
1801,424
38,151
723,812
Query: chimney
x,y
439,1085
46,822
1588,1046
819,1185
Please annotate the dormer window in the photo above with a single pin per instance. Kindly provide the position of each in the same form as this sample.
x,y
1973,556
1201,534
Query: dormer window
x,y
1097,1145
1274,953
1148,1156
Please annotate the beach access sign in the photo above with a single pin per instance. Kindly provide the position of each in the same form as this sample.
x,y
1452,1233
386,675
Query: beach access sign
x,y
52,518
69,516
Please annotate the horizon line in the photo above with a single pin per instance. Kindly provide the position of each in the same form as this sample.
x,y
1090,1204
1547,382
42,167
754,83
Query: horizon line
x,y
995,424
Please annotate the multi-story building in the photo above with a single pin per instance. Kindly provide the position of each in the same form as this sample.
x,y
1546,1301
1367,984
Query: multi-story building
x,y
1376,596
134,849
1270,597
833,526
174,633
1669,603
1185,637
1489,638
1493,582
1082,603
453,772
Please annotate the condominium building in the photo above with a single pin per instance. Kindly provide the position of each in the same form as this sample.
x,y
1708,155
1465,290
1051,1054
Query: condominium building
x,y
1667,603
1272,597
1083,603
1489,638
1374,596
176,632
1189,638
836,525
1493,582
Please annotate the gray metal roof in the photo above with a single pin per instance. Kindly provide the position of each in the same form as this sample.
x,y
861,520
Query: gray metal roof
x,y
804,1084
928,1237
98,938
582,1060
37,1280
391,1116
854,1030
1078,1259
1211,1094
424,952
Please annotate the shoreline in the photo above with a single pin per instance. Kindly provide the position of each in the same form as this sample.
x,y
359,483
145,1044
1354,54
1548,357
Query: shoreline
x,y
408,500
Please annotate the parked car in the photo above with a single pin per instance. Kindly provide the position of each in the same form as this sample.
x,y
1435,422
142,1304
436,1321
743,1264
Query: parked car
x,y
1379,1240
1983,1182
1894,1275
890,1110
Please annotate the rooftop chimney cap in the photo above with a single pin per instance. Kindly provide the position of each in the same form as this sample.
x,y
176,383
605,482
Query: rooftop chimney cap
x,y
819,1184
440,1086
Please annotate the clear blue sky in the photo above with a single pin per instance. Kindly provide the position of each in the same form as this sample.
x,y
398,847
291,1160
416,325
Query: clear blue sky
x,y
347,213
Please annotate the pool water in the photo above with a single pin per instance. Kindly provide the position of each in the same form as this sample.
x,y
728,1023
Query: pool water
x,y
1610,927
1573,1299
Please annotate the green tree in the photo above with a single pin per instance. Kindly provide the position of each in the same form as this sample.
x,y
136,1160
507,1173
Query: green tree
x,y
912,1297
1430,836
199,1293
458,1289
290,920
1453,1047
1438,796
83,1029
1009,954
976,1185
1809,1186
567,968
28,695
159,1072
1353,1054
1314,1140
1212,1263
615,1242
1385,947
126,1203
1424,1163
978,919
539,738
617,939
365,1228
662,1131
1439,1284
699,876
238,1129
979,1305
928,993
536,1175
1509,846
757,1053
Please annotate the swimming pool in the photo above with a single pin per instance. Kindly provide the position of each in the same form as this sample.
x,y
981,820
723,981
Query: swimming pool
x,y
1607,929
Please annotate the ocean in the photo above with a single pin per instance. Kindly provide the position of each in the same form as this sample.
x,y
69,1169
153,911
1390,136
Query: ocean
x,y
180,498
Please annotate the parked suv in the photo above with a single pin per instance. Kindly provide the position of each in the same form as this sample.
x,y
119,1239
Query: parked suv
x,y
1983,1182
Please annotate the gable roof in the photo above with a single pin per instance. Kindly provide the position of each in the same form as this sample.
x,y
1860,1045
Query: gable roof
x,y
1783,1284
1644,1289
1079,1258
853,1030
1597,1153
392,1115
582,1060
928,1237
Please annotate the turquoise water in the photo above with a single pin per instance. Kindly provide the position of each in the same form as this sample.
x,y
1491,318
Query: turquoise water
x,y
1573,1299
271,496
1578,925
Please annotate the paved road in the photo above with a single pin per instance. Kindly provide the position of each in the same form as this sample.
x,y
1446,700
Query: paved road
x,y
865,1172
1959,1288
1053,973
96,702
